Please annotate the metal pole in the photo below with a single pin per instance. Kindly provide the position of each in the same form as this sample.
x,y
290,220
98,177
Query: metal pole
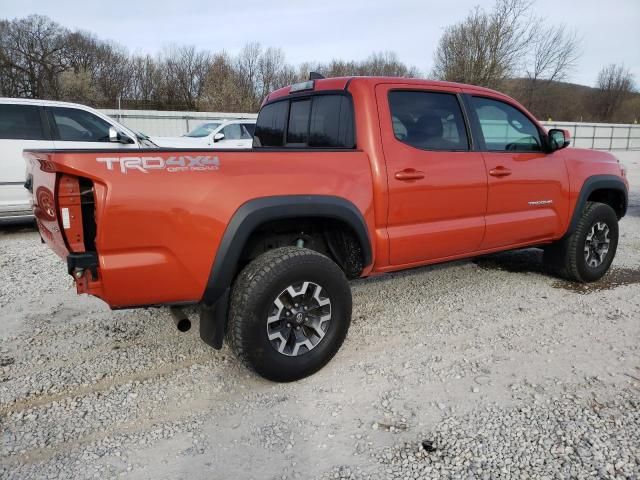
x,y
593,139
628,137
611,138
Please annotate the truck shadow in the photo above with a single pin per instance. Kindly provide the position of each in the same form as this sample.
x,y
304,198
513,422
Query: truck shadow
x,y
9,228
530,260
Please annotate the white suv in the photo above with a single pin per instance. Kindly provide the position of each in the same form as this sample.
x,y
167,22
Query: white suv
x,y
26,124
213,134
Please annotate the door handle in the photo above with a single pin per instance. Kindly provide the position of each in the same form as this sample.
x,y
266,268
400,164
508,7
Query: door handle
x,y
409,174
500,171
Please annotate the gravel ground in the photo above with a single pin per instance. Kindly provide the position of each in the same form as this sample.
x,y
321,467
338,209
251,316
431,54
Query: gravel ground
x,y
474,369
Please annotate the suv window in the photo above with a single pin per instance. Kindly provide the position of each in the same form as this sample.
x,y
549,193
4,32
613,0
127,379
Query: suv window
x,y
232,132
21,122
504,127
79,126
428,120
317,121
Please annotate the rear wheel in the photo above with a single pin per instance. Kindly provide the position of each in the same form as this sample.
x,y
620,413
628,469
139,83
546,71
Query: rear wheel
x,y
290,312
586,254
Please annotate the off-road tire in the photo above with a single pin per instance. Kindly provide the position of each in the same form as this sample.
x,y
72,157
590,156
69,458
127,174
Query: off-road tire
x,y
566,258
253,295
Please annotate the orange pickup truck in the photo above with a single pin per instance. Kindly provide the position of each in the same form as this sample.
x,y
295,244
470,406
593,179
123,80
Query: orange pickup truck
x,y
348,177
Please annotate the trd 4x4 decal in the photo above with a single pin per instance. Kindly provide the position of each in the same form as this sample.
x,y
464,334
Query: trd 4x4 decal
x,y
184,163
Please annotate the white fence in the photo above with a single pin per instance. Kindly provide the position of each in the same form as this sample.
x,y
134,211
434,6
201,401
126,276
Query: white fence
x,y
167,124
602,136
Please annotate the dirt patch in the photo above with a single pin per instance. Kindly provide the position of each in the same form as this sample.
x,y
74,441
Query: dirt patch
x,y
615,278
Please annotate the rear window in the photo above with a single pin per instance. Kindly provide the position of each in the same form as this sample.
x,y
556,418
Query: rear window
x,y
20,122
271,124
319,121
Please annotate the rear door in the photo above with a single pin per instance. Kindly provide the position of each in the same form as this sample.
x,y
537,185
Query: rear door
x,y
74,128
437,182
527,199
21,127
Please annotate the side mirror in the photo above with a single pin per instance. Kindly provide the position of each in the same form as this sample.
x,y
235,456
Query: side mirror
x,y
558,139
117,137
218,136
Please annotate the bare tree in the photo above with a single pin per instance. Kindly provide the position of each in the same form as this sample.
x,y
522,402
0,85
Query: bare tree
x,y
554,52
223,92
487,47
615,84
187,70
146,81
247,66
32,56
385,64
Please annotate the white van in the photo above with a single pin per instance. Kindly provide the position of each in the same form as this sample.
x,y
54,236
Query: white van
x,y
47,124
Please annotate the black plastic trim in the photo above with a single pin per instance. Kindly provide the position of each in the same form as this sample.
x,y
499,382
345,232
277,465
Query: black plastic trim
x,y
256,212
591,184
215,300
84,261
213,321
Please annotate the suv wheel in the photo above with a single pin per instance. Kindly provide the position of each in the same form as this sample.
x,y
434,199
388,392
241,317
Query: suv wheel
x,y
290,312
586,254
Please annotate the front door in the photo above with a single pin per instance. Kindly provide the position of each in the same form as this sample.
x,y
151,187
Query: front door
x,y
527,198
437,184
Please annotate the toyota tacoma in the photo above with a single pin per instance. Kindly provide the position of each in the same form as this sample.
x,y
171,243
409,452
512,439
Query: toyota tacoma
x,y
347,178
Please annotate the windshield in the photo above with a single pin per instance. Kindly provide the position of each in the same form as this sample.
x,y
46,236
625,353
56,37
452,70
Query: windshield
x,y
203,130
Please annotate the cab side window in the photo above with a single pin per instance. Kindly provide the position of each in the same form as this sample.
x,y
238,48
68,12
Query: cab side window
x,y
20,122
79,126
504,127
428,120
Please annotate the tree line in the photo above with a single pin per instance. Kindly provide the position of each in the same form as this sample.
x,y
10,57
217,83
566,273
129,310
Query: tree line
x,y
510,49
504,48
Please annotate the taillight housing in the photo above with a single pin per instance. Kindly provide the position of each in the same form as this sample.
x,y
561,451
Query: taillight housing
x,y
76,215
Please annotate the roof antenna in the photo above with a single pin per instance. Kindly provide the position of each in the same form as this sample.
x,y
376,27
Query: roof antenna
x,y
315,76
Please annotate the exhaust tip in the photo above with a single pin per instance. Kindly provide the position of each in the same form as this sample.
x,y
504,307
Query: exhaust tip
x,y
181,320
183,325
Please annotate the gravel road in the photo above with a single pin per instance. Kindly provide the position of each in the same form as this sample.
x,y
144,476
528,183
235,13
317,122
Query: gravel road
x,y
472,369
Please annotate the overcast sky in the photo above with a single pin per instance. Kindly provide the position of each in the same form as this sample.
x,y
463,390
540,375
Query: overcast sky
x,y
319,31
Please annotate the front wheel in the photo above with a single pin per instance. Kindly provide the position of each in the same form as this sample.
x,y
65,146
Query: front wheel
x,y
586,254
290,312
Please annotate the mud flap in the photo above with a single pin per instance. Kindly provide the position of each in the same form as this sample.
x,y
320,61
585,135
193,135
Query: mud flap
x,y
213,321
